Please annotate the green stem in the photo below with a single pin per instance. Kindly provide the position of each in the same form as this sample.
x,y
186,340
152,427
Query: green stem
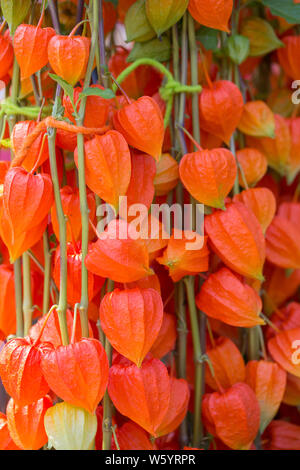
x,y
167,91
253,343
62,304
84,301
27,296
18,296
194,78
198,429
107,404
47,273
181,350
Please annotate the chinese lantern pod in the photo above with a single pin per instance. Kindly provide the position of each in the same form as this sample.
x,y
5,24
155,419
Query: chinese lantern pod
x,y
257,120
141,123
279,287
289,56
284,349
292,391
69,427
31,48
233,416
221,98
289,211
209,175
162,14
7,300
287,318
268,381
281,435
37,153
212,13
282,247
71,207
118,256
26,424
227,362
186,254
141,188
77,373
96,109
6,56
51,333
178,405
167,175
6,442
237,238
24,241
68,57
74,269
262,202
225,297
21,372
133,437
29,195
254,165
107,166
142,394
166,338
131,320
277,149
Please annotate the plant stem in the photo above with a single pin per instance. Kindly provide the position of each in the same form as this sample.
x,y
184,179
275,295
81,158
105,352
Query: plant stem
x,y
62,304
54,15
47,273
27,296
84,301
107,404
253,343
18,296
194,78
101,43
197,429
181,350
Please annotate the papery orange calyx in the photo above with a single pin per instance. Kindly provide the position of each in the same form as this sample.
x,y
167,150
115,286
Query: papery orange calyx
x,y
131,320
78,373
221,98
141,123
232,416
26,423
212,13
107,166
31,48
225,297
209,175
226,229
68,56
117,255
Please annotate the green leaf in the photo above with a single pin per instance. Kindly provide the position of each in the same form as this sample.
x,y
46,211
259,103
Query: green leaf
x,y
137,24
114,2
238,47
285,8
157,49
14,11
107,94
208,37
68,89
